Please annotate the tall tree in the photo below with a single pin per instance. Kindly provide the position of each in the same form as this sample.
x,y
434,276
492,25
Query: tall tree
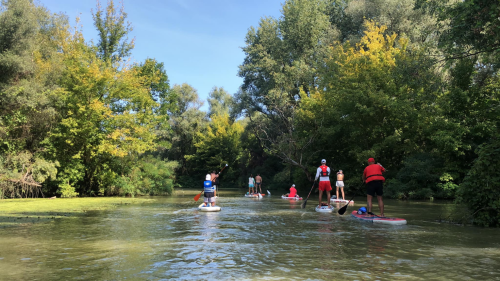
x,y
186,122
29,38
280,63
219,102
113,29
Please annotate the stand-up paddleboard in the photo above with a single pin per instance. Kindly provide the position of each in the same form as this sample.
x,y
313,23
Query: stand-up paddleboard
x,y
340,201
209,209
296,198
254,195
324,209
375,219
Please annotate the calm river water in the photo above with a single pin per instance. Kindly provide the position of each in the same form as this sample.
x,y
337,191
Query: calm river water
x,y
250,239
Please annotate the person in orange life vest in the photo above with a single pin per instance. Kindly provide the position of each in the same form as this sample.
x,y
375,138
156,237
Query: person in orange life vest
x,y
323,173
374,180
293,192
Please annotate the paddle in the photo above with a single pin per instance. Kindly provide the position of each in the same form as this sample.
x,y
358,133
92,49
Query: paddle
x,y
343,209
197,197
305,201
268,192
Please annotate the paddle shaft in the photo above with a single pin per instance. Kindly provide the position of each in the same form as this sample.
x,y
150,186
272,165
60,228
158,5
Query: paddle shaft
x,y
305,201
343,209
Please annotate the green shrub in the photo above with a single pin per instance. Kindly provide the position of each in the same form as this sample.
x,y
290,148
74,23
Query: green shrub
x,y
480,190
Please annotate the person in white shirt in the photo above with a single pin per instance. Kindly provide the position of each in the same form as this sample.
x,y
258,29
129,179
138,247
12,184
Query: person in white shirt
x,y
251,183
323,173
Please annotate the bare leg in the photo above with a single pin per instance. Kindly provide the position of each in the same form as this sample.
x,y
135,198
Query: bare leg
x,y
343,197
338,192
380,205
320,195
369,201
328,198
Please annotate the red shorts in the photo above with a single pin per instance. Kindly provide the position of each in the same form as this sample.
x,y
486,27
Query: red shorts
x,y
325,186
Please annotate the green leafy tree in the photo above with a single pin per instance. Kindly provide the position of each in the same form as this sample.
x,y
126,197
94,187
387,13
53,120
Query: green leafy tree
x,y
185,122
216,146
219,102
113,28
29,37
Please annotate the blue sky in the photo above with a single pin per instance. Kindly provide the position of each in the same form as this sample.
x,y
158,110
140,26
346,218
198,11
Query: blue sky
x,y
198,40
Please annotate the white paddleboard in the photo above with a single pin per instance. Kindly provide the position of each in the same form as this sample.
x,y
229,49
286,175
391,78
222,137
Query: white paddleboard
x,y
256,195
296,198
340,201
324,209
209,209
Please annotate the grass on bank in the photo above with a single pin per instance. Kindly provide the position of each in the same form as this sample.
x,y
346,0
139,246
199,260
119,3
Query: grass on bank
x,y
27,211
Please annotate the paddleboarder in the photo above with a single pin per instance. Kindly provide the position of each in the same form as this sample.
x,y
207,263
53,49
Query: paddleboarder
x,y
292,193
214,177
323,173
372,177
258,183
209,191
251,182
340,183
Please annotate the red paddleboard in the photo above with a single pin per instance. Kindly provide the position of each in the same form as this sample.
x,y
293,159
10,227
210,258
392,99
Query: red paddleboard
x,y
375,219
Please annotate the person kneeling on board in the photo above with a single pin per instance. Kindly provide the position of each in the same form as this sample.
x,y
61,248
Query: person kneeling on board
x,y
209,192
293,192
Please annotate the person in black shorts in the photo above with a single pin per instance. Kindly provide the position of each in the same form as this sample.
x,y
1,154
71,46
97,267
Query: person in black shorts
x,y
374,180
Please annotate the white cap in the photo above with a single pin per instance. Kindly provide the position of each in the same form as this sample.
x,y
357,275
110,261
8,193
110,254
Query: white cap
x,y
293,184
208,177
323,161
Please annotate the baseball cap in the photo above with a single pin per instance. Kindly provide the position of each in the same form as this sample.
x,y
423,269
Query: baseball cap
x,y
323,161
371,160
293,184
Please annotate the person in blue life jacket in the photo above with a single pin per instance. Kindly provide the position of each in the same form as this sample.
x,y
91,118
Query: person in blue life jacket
x,y
209,192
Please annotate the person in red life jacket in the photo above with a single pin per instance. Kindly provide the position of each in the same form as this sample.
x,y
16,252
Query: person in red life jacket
x,y
323,173
293,192
372,177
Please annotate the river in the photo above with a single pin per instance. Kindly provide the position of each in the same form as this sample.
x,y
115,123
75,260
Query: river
x,y
250,239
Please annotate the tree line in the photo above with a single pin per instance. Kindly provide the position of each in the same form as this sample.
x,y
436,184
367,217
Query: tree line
x,y
412,83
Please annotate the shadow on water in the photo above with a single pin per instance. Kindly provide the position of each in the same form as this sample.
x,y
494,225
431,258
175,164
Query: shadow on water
x,y
268,238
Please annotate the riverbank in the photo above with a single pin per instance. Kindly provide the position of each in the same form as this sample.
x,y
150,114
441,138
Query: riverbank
x,y
16,212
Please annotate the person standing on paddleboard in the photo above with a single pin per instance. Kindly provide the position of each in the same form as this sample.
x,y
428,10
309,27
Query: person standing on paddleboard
x,y
209,192
258,184
251,182
340,183
372,177
214,177
323,173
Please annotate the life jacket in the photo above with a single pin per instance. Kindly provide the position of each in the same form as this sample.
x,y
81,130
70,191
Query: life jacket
x,y
207,186
374,173
293,192
324,171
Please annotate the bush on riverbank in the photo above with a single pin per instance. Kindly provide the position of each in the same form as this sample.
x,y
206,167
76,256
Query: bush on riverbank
x,y
480,190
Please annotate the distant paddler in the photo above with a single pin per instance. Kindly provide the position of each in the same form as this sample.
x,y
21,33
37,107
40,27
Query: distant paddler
x,y
251,183
340,183
292,193
258,184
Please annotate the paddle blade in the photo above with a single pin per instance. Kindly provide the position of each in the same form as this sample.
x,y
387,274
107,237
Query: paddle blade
x,y
343,209
197,197
303,206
